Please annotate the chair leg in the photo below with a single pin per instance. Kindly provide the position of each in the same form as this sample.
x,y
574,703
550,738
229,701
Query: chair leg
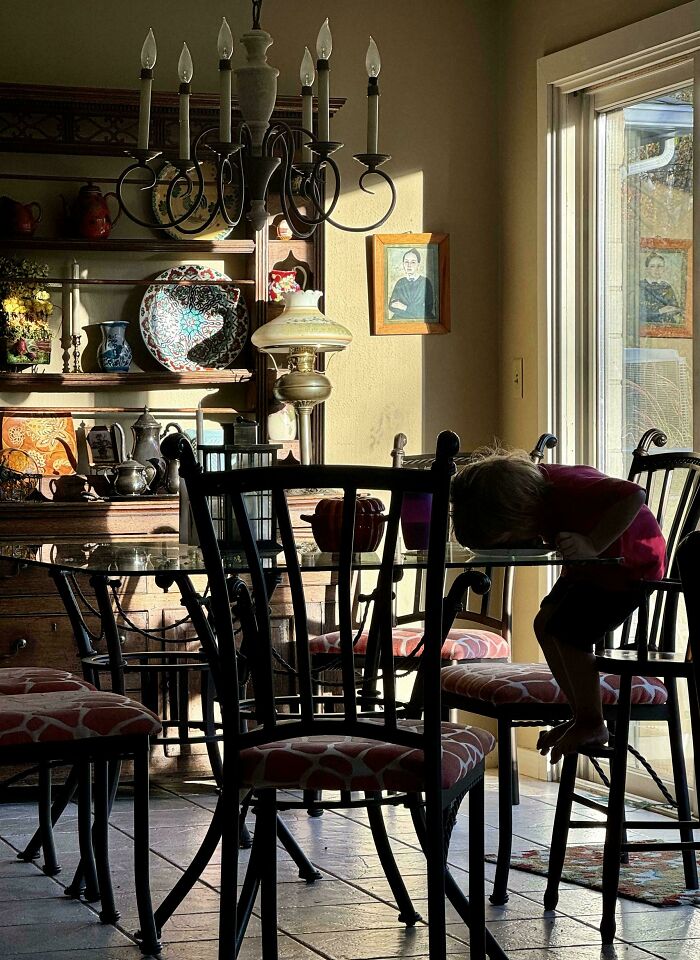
x,y
65,795
229,864
436,865
149,941
407,912
615,825
499,895
100,840
87,853
51,866
514,774
266,821
560,830
680,780
477,912
207,698
307,871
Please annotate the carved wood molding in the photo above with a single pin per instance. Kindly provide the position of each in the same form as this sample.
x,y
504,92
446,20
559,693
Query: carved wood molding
x,y
104,122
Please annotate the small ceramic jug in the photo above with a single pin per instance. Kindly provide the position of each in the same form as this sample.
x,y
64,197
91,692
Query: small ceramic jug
x,y
89,216
17,219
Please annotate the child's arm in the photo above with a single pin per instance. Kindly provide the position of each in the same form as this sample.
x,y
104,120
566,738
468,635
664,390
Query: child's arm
x,y
611,525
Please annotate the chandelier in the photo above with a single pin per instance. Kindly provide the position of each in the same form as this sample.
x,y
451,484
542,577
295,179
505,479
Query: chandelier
x,y
247,157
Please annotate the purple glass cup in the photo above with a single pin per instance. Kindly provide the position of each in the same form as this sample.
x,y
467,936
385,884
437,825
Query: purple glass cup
x,y
415,520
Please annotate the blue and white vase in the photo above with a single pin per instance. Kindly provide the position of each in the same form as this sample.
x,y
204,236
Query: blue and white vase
x,y
114,353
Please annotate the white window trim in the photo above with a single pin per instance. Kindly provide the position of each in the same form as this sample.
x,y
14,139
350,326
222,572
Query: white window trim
x,y
562,164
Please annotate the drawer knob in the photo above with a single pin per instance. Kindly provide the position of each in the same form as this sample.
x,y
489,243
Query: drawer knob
x,y
18,645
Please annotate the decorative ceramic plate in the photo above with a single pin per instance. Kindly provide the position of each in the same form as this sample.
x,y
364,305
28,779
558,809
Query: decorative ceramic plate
x,y
193,327
218,229
49,440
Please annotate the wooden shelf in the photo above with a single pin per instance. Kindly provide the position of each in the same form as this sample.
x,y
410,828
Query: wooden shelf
x,y
155,380
174,247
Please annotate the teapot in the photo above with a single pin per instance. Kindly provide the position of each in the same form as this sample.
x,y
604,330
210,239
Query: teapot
x,y
146,431
18,220
89,216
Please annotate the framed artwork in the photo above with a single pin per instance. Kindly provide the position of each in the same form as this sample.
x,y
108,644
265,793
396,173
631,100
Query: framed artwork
x,y
665,288
104,446
411,283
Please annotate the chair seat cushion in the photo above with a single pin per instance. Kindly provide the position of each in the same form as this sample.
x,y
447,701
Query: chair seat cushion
x,y
506,683
18,680
359,763
71,715
461,644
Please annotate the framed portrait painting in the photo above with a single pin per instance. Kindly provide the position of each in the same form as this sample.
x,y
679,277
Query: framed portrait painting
x,y
411,283
665,288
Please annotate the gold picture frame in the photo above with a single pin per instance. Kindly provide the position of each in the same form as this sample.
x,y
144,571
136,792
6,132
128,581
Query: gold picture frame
x,y
665,288
410,283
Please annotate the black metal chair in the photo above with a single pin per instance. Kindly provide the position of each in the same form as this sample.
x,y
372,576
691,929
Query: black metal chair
x,y
526,694
360,741
89,730
649,651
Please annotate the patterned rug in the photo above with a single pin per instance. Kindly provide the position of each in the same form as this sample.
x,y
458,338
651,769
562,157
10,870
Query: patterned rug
x,y
654,876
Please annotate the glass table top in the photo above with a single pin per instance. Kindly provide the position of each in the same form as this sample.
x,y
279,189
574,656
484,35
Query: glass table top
x,y
138,557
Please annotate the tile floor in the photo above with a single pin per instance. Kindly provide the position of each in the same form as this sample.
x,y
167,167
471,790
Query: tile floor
x,y
347,915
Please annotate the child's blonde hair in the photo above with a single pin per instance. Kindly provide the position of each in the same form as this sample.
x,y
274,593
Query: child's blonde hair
x,y
496,498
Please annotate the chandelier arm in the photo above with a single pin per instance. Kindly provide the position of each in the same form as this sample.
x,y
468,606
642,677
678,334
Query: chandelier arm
x,y
143,167
387,179
221,183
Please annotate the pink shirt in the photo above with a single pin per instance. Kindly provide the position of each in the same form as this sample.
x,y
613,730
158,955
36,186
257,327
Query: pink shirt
x,y
577,498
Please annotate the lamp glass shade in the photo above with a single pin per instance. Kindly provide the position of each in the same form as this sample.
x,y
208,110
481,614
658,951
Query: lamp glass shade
x,y
301,324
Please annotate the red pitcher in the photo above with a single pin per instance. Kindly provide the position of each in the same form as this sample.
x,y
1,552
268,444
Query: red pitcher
x,y
89,217
17,219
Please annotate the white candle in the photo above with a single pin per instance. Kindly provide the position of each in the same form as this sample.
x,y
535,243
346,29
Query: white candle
x,y
324,47
225,48
148,60
307,75
199,430
185,71
75,299
374,65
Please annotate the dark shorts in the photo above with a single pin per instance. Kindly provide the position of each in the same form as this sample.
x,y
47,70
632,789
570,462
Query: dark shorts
x,y
581,613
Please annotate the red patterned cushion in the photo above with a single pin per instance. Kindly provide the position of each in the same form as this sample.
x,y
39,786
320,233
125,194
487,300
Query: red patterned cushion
x,y
459,645
355,763
16,680
72,715
500,683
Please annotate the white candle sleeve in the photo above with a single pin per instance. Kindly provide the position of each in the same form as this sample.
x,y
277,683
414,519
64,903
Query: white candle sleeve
x,y
373,118
184,124
225,102
324,100
145,109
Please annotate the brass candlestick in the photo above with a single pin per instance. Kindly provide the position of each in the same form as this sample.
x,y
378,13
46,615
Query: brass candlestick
x,y
75,340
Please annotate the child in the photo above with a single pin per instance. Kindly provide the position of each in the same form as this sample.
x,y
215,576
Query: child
x,y
504,498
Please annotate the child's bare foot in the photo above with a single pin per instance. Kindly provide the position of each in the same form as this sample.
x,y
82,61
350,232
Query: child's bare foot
x,y
548,738
579,735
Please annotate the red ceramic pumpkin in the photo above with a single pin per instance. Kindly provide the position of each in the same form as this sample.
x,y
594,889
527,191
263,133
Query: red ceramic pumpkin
x,y
327,520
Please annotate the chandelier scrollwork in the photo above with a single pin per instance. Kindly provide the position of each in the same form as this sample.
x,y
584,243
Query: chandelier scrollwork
x,y
245,160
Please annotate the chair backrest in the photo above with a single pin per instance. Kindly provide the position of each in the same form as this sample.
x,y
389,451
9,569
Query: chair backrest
x,y
671,481
688,558
492,610
364,712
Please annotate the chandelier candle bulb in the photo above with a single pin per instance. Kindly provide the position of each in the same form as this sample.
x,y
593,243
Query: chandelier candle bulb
x,y
225,48
148,61
374,64
185,71
324,48
307,76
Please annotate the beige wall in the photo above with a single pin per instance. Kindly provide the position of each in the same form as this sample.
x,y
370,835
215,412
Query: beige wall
x,y
438,118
